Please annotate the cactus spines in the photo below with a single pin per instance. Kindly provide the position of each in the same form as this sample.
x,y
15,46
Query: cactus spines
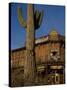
x,y
33,22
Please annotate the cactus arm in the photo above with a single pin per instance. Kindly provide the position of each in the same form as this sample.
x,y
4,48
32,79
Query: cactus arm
x,y
20,18
41,18
38,16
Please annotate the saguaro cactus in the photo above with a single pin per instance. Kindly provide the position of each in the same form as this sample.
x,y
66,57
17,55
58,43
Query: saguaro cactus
x,y
33,22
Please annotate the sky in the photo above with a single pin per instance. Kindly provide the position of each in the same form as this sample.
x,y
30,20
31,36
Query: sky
x,y
54,18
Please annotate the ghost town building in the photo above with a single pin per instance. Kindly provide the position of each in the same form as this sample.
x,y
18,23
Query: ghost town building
x,y
49,57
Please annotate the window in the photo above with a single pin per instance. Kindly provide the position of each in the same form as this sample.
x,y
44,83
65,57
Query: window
x,y
54,54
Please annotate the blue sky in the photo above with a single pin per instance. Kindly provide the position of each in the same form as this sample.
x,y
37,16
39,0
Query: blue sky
x,y
54,17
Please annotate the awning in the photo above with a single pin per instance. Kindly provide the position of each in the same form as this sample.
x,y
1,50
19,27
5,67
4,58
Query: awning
x,y
41,68
56,67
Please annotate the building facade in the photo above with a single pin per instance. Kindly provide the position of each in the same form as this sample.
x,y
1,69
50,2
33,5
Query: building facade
x,y
49,58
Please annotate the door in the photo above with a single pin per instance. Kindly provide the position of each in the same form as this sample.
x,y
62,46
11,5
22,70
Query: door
x,y
55,78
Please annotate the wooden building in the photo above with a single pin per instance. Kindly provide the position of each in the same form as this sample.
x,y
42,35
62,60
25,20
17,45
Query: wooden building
x,y
49,57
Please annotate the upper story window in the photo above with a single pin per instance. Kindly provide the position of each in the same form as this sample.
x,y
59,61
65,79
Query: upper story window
x,y
55,55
